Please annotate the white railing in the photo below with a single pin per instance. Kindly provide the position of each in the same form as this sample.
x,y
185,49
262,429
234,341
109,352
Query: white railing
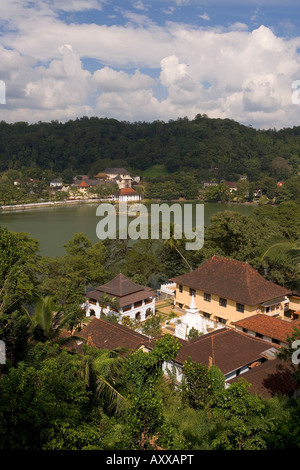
x,y
168,288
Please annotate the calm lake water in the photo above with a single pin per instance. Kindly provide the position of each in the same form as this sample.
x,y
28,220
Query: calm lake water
x,y
54,226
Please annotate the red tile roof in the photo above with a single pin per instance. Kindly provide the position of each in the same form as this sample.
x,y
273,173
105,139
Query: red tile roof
x,y
274,328
232,279
103,334
269,379
228,349
83,184
125,291
127,192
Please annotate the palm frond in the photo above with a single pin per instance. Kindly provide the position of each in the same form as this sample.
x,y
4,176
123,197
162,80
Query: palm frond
x,y
116,402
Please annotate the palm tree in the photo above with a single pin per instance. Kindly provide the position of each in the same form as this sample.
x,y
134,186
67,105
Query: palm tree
x,y
284,253
107,301
175,244
105,370
46,324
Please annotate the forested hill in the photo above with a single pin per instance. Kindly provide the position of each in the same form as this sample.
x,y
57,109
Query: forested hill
x,y
219,148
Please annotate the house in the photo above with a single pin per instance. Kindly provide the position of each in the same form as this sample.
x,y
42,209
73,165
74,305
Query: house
x,y
271,329
129,299
127,195
232,185
227,290
103,334
120,176
233,352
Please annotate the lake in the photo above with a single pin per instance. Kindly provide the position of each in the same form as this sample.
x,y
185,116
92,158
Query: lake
x,y
55,226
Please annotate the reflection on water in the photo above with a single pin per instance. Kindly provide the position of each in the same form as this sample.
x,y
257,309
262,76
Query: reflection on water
x,y
55,226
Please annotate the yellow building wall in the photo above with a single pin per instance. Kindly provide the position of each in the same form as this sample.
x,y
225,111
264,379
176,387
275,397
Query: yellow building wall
x,y
228,313
294,303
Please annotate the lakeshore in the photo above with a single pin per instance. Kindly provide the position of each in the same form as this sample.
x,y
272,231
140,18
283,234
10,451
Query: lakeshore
x,y
67,202
33,205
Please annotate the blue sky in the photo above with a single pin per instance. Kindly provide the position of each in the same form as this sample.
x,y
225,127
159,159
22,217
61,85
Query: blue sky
x,y
147,60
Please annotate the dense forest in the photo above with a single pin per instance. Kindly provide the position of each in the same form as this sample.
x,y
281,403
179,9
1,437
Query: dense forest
x,y
219,148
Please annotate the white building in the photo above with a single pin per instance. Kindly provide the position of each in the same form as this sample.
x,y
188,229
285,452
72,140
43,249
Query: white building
x,y
121,297
127,195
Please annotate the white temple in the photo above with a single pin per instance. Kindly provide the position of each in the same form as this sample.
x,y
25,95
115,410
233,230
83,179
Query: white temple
x,y
191,319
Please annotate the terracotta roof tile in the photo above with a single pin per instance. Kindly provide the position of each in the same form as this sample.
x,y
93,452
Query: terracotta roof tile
x,y
232,279
103,334
228,349
83,184
269,379
125,291
274,328
127,192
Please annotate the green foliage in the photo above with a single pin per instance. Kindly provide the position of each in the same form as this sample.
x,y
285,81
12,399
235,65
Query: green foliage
x,y
219,148
143,371
217,193
34,401
152,326
193,333
66,278
200,384
242,416
19,269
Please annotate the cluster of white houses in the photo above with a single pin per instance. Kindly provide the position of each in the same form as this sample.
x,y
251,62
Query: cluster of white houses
x,y
243,319
120,176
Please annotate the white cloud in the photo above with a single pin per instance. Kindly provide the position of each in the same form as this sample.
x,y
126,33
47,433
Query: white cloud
x,y
250,72
110,80
204,16
172,70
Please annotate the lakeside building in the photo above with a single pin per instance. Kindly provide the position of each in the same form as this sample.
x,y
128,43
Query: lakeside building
x,y
127,195
226,291
127,299
120,176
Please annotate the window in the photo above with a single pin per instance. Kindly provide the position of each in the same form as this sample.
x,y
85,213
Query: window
x,y
180,288
192,292
222,302
221,320
240,307
207,297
